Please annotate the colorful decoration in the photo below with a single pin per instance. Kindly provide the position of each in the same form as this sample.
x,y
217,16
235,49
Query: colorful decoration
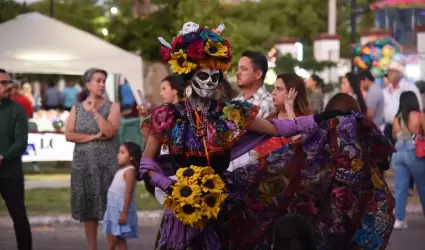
x,y
197,195
376,55
196,47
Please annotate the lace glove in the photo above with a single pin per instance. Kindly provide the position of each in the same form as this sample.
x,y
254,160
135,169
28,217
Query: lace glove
x,y
329,114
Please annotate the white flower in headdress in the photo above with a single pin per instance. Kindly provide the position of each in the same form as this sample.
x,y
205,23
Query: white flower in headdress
x,y
190,27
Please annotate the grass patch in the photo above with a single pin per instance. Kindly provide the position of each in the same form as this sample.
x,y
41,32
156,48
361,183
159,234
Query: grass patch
x,y
57,201
47,177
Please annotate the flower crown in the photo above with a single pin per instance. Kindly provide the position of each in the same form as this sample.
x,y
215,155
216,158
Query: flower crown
x,y
196,47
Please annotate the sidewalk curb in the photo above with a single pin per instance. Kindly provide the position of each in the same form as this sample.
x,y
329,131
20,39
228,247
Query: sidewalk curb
x,y
149,218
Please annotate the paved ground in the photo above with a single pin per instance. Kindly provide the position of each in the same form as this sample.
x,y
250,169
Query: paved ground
x,y
72,237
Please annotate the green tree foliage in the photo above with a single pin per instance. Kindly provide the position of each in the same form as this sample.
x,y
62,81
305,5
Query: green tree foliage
x,y
83,14
286,63
249,25
9,9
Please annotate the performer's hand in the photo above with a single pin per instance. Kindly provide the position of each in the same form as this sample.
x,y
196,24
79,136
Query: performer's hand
x,y
329,114
1,159
289,99
123,218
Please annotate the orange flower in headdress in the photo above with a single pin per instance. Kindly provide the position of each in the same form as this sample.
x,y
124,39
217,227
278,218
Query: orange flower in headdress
x,y
213,63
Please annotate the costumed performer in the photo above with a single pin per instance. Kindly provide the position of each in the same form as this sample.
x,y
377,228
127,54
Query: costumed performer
x,y
332,179
200,133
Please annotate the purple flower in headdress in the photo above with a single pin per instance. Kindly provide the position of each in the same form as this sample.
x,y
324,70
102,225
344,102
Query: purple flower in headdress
x,y
191,37
347,129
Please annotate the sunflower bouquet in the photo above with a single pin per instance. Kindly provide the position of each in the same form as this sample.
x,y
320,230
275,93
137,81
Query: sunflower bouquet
x,y
197,195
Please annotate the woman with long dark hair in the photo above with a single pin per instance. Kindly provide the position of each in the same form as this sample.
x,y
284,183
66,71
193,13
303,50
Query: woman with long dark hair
x,y
299,107
350,84
408,124
331,179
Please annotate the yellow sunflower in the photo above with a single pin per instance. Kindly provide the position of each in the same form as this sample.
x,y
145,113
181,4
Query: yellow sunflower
x,y
215,49
187,194
211,204
207,171
188,215
169,202
356,164
180,64
189,175
212,183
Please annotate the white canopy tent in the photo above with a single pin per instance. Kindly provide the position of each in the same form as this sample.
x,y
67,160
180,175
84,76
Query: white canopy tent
x,y
34,43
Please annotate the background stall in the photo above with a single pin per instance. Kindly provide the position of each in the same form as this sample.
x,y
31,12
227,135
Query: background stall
x,y
34,43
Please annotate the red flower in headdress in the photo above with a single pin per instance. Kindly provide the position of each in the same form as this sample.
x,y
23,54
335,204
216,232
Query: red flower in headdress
x,y
177,43
165,54
196,49
229,54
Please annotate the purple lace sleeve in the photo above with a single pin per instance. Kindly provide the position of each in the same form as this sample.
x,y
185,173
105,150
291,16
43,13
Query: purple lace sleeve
x,y
147,164
159,179
248,142
289,128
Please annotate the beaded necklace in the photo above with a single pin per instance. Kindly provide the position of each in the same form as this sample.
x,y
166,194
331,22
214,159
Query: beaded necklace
x,y
198,131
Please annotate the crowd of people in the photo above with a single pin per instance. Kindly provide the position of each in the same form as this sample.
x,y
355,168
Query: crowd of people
x,y
298,173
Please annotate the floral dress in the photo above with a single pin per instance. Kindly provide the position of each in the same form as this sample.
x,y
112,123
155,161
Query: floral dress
x,y
332,179
177,126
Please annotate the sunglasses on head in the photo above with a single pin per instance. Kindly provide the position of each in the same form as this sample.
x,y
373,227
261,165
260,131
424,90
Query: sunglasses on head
x,y
6,82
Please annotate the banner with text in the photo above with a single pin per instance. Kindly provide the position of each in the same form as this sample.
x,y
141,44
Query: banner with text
x,y
48,147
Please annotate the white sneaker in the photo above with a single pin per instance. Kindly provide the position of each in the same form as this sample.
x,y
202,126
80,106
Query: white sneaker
x,y
399,224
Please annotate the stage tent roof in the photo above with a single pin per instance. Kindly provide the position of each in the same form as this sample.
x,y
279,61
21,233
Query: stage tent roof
x,y
34,43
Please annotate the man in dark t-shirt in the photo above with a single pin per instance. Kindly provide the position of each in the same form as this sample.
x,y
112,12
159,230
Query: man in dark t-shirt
x,y
13,143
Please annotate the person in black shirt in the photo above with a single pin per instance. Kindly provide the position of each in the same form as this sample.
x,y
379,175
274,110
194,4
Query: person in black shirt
x,y
13,143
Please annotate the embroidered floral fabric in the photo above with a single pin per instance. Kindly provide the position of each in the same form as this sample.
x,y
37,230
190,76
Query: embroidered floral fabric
x,y
333,180
226,122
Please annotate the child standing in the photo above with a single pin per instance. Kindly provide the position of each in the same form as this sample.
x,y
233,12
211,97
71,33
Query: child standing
x,y
120,220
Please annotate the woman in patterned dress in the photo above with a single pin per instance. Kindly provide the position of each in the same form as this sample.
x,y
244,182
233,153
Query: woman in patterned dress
x,y
92,126
332,179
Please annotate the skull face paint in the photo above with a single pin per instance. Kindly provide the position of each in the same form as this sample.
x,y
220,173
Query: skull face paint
x,y
205,82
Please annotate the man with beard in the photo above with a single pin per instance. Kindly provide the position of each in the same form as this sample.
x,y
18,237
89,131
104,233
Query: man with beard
x,y
13,143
